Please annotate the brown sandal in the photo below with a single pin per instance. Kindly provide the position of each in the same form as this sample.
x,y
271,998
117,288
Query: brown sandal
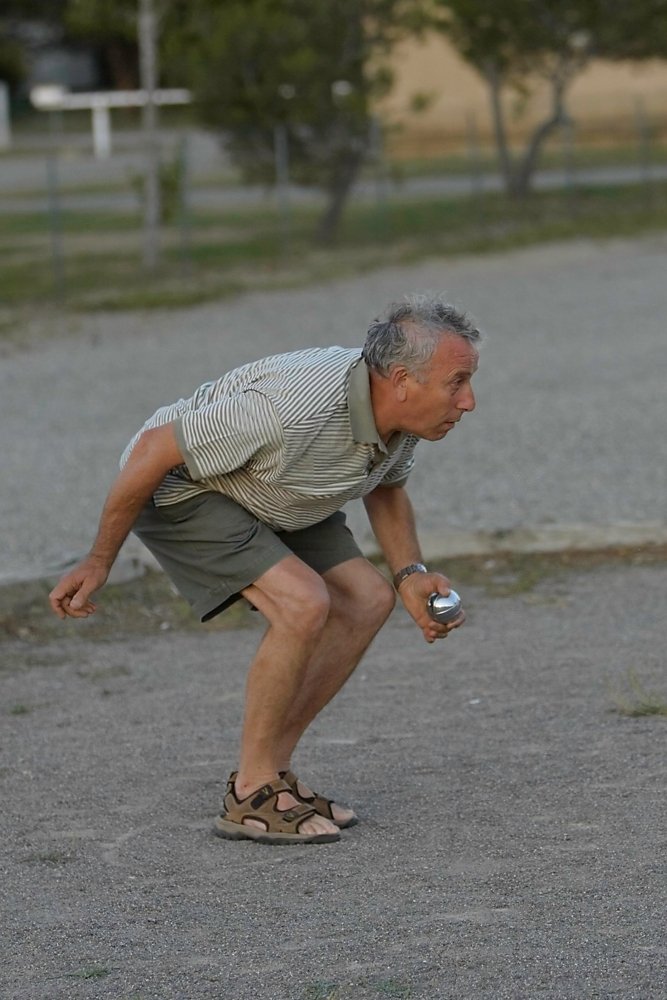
x,y
281,826
316,802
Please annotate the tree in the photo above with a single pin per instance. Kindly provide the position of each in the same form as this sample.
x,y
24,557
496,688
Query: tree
x,y
309,67
112,27
635,31
512,43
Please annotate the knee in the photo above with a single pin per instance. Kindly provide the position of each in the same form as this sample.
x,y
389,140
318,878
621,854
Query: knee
x,y
372,606
383,602
306,609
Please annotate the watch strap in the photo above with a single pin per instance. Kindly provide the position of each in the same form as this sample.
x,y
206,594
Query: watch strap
x,y
408,571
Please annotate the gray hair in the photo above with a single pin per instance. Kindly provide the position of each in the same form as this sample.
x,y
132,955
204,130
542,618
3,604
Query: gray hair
x,y
411,331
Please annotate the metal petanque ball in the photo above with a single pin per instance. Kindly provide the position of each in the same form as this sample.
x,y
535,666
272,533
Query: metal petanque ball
x,y
444,609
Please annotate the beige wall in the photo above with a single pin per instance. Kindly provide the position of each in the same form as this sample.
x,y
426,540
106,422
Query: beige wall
x,y
605,97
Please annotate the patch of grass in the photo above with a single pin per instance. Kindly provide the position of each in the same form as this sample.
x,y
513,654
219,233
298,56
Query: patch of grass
x,y
635,700
552,158
144,606
244,248
321,991
503,574
19,710
105,673
149,605
90,972
393,988
48,858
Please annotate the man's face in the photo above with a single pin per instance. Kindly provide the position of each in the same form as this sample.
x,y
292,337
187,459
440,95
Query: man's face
x,y
431,407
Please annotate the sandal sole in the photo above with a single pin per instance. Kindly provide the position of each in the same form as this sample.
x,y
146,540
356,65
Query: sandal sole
x,y
237,831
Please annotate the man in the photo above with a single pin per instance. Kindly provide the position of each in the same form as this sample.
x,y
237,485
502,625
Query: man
x,y
238,492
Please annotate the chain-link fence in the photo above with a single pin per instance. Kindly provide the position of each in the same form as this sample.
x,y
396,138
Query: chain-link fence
x,y
73,226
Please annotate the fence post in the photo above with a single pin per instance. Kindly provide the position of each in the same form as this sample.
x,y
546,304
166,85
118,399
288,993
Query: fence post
x,y
281,162
569,173
644,148
378,157
184,220
5,124
474,160
148,67
55,224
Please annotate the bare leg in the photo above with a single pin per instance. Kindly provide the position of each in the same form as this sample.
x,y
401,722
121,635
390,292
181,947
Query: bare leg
x,y
361,602
295,601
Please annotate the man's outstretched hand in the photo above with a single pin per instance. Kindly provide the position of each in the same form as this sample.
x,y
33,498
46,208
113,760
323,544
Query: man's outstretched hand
x,y
70,598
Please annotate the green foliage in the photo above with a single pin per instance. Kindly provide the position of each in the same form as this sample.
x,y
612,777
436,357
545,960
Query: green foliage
x,y
170,180
312,67
309,66
102,20
514,42
12,62
518,37
635,30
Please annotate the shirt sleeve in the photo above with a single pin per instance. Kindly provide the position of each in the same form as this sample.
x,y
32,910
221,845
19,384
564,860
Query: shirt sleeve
x,y
223,436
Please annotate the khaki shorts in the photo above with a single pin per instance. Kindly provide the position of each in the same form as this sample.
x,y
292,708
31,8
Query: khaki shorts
x,y
212,548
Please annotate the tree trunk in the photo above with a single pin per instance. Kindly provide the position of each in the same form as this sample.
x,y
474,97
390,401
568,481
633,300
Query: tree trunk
x,y
523,175
494,80
122,64
339,190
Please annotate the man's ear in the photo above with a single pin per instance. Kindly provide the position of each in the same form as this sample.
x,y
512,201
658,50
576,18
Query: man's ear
x,y
398,379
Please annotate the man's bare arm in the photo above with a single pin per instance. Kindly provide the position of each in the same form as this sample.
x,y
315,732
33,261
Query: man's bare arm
x,y
155,453
392,519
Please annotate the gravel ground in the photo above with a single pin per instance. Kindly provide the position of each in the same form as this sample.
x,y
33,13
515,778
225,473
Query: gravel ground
x,y
512,834
569,427
512,840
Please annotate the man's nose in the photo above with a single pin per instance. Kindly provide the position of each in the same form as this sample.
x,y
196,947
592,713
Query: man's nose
x,y
466,400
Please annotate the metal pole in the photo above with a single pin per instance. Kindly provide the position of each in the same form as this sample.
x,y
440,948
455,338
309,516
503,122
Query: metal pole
x,y
644,140
281,159
5,123
148,68
55,224
569,166
184,206
377,153
476,178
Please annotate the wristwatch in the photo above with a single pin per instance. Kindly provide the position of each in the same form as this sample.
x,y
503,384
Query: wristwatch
x,y
408,571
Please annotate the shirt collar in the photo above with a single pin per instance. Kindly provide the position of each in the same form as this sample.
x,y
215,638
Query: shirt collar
x,y
362,421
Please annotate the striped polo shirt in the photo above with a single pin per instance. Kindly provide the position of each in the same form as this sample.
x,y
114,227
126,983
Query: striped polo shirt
x,y
291,438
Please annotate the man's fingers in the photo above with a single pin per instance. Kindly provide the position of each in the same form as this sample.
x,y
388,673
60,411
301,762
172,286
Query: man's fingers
x,y
82,612
80,599
440,630
71,598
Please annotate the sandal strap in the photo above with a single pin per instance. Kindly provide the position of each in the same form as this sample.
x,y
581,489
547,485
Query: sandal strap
x,y
258,806
319,803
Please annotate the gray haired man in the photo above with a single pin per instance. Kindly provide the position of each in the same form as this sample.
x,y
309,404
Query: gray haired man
x,y
238,492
